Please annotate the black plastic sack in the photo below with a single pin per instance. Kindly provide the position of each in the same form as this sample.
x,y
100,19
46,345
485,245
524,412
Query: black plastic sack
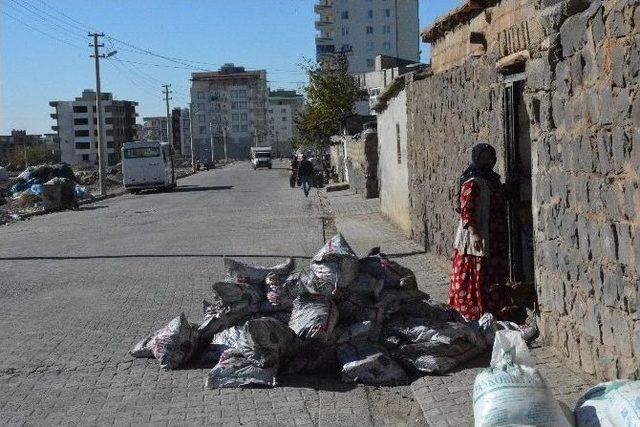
x,y
237,271
314,317
392,274
235,370
172,345
268,342
367,363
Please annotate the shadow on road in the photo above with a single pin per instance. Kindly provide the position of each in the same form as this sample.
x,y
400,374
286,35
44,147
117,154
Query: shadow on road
x,y
79,257
92,207
189,188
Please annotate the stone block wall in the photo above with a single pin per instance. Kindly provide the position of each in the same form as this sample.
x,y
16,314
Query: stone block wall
x,y
447,114
362,164
584,103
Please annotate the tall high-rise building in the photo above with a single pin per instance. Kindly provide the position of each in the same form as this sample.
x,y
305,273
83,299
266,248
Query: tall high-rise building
x,y
284,108
363,29
232,101
77,127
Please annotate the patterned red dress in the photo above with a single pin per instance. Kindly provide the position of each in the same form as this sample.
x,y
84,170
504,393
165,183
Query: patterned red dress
x,y
472,276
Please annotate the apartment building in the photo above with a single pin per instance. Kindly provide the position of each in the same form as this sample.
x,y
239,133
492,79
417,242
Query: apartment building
x,y
362,29
155,128
180,130
284,107
386,69
232,101
76,125
18,140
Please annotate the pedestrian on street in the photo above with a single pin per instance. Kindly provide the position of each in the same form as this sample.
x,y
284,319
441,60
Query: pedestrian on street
x,y
305,174
480,259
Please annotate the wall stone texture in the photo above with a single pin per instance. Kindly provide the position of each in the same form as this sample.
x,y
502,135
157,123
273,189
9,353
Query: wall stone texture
x,y
583,101
362,163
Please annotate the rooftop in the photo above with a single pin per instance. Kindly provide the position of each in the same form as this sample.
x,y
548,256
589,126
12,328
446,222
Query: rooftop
x,y
450,20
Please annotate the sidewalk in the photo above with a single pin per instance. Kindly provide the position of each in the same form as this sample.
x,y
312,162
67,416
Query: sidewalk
x,y
445,400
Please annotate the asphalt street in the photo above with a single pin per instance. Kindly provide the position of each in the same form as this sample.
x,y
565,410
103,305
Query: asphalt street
x,y
78,289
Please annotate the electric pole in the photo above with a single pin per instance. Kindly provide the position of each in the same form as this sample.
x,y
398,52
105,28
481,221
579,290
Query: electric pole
x,y
101,149
193,154
224,142
213,148
166,92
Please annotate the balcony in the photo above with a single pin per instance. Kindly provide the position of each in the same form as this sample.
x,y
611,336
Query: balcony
x,y
323,23
323,40
322,6
54,116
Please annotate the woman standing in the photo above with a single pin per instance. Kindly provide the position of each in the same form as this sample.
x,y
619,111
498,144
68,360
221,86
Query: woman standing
x,y
480,259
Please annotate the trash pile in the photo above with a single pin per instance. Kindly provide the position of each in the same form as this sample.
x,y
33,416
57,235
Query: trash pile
x,y
46,188
363,317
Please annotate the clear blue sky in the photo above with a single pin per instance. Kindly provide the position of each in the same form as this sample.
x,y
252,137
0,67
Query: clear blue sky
x,y
36,69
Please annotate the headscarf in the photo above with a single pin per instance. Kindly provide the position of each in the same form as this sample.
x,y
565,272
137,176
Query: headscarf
x,y
478,170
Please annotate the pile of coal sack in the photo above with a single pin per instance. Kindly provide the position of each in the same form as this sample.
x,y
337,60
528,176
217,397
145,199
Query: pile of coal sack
x,y
363,317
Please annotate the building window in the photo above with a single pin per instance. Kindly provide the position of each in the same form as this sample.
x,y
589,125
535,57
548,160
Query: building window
x,y
283,110
201,118
80,109
83,145
398,143
202,129
386,29
235,128
85,157
344,14
345,31
369,29
386,45
387,13
370,46
80,121
82,133
270,110
369,62
243,117
346,48
244,128
370,14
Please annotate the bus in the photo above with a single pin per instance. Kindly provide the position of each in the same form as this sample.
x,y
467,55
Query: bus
x,y
147,165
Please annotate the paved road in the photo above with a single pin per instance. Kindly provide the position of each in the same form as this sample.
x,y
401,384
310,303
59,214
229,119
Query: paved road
x,y
77,289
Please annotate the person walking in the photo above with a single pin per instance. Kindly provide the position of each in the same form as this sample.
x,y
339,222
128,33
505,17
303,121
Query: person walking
x,y
305,174
480,259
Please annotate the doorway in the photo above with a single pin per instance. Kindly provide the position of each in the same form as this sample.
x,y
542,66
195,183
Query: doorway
x,y
518,177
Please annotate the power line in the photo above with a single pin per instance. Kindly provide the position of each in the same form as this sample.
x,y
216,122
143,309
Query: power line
x,y
82,25
41,32
30,9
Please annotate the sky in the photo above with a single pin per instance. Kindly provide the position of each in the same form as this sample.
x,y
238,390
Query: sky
x,y
44,48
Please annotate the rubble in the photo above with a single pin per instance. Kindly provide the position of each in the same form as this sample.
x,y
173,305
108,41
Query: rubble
x,y
365,318
40,189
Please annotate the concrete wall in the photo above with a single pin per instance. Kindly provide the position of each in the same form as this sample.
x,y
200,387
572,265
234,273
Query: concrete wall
x,y
583,101
360,167
392,167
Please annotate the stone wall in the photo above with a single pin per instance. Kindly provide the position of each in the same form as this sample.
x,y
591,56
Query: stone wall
x,y
583,101
447,114
362,163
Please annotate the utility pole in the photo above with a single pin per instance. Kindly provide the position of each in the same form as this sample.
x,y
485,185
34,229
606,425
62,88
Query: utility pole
x,y
101,149
224,142
193,154
213,148
166,92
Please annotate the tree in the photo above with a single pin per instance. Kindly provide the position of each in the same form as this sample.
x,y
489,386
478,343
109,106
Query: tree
x,y
36,154
331,95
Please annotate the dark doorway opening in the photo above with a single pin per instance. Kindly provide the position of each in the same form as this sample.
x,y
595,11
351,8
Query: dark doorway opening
x,y
518,178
